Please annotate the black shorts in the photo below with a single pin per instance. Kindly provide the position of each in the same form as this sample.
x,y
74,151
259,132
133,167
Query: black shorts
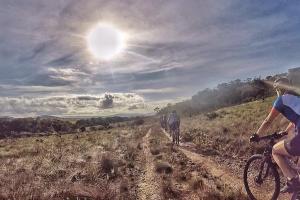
x,y
292,145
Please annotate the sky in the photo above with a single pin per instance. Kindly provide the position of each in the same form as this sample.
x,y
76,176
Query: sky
x,y
174,49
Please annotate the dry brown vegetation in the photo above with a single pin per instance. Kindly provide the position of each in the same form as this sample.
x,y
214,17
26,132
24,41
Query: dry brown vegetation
x,y
181,178
224,134
115,164
94,165
104,164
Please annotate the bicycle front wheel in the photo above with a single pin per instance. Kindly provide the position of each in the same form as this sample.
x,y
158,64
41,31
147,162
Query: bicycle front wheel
x,y
261,179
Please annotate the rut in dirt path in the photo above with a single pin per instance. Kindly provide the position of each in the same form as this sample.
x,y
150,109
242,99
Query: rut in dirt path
x,y
211,166
149,185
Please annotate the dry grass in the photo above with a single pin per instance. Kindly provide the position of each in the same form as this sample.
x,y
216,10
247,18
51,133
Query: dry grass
x,y
227,131
73,166
171,192
105,164
197,183
188,180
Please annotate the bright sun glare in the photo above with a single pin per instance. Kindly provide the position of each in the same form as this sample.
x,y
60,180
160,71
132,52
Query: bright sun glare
x,y
105,41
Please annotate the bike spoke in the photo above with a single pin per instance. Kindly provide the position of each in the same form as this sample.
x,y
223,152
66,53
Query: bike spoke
x,y
263,186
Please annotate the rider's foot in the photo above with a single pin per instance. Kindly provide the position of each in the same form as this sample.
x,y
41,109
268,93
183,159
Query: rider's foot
x,y
291,185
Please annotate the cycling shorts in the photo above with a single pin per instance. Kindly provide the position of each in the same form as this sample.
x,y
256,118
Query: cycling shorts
x,y
292,145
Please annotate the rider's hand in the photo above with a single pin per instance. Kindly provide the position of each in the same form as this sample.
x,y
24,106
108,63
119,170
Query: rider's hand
x,y
254,138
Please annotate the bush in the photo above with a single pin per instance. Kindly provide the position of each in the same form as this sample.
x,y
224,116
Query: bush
x,y
107,164
197,183
154,150
138,122
163,167
211,115
187,137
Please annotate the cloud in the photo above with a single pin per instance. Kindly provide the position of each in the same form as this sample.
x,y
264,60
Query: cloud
x,y
158,90
29,90
38,49
87,105
171,44
63,60
56,77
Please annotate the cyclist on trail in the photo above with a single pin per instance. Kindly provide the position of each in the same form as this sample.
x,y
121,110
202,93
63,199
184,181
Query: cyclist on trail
x,y
287,104
163,121
174,124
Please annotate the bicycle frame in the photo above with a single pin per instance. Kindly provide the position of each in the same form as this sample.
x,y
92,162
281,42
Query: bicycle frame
x,y
267,160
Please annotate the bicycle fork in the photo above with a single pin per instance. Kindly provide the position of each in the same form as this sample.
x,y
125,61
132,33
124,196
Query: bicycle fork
x,y
260,177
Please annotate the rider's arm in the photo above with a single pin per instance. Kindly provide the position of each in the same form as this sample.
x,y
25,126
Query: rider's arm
x,y
267,122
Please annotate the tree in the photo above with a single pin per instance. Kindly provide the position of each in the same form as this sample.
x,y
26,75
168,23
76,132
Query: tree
x,y
157,109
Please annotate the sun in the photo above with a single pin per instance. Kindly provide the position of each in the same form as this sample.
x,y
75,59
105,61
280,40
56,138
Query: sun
x,y
105,41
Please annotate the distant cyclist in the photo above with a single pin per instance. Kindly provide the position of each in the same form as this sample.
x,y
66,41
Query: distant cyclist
x,y
163,121
174,126
288,104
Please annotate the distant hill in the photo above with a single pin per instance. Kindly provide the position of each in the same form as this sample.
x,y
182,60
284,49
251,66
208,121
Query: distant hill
x,y
294,75
229,94
44,125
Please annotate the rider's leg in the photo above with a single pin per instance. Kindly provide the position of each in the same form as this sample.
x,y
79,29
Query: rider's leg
x,y
178,132
288,147
177,135
279,153
172,135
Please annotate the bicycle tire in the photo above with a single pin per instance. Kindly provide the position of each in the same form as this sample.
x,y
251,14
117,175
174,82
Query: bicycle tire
x,y
272,167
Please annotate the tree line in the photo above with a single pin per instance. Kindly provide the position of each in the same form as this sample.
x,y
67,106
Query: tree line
x,y
225,94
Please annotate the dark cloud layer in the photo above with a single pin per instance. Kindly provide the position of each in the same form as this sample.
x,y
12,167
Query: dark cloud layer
x,y
174,48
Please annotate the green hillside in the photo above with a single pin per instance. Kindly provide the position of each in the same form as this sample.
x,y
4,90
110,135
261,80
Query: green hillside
x,y
227,130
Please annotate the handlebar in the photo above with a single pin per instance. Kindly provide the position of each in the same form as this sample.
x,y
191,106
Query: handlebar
x,y
273,136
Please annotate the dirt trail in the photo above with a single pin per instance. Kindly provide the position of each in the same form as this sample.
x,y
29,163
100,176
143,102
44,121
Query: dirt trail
x,y
149,186
216,169
211,166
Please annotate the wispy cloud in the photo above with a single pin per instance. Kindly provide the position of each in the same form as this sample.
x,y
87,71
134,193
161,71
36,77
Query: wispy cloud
x,y
171,44
159,90
76,105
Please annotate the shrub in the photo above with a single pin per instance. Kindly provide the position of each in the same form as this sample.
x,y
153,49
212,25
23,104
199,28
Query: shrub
x,y
154,150
211,115
163,167
138,122
170,192
187,137
107,164
196,183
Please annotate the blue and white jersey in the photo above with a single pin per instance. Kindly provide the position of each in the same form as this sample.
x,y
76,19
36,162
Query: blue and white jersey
x,y
173,117
289,106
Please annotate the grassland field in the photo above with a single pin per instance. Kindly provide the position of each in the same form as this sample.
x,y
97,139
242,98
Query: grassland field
x,y
133,162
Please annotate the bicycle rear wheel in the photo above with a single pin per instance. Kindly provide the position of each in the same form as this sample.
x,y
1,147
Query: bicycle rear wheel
x,y
264,187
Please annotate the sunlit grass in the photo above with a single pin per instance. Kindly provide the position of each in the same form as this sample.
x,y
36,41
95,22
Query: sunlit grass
x,y
227,130
29,165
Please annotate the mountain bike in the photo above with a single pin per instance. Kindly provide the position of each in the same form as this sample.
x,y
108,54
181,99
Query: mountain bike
x,y
261,177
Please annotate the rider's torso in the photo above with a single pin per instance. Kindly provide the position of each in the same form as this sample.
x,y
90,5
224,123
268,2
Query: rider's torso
x,y
289,106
